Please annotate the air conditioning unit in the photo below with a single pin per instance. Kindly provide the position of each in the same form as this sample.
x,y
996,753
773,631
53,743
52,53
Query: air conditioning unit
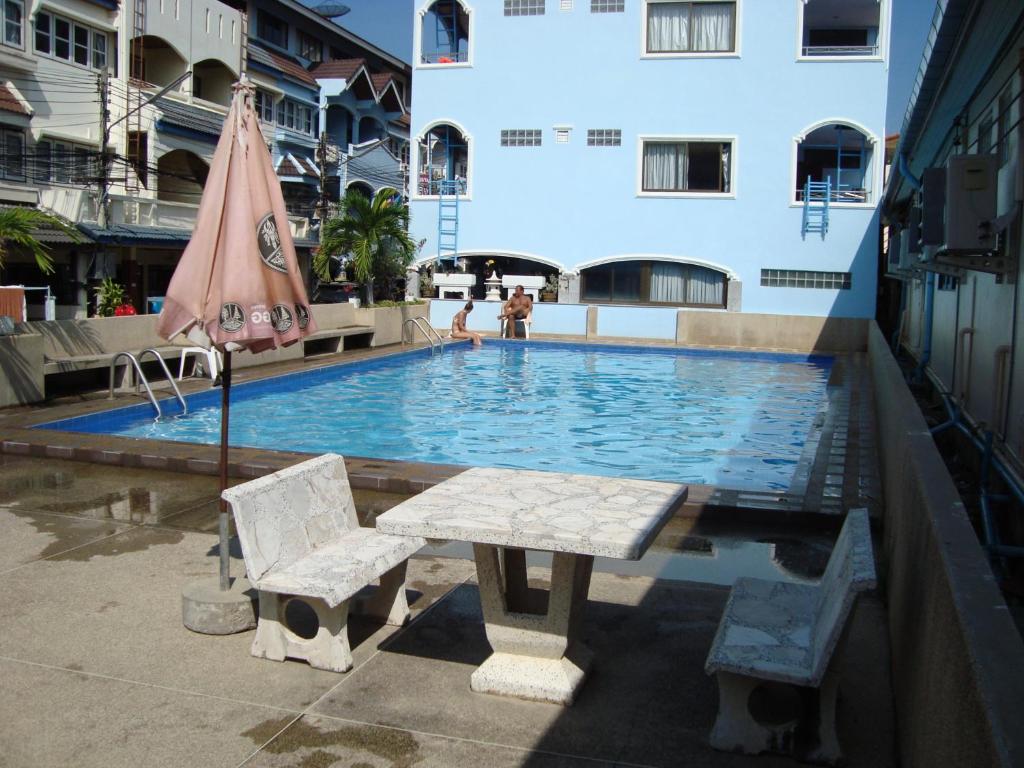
x,y
971,182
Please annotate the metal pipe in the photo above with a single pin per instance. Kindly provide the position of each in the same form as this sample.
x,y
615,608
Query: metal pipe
x,y
904,167
225,400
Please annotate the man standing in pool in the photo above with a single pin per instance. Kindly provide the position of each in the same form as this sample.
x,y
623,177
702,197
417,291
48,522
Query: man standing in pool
x,y
518,307
459,325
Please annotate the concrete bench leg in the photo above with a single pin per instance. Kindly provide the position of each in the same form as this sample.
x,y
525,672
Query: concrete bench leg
x,y
328,649
735,729
812,739
388,602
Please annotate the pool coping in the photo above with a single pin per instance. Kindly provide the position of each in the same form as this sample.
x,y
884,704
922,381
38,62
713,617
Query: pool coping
x,y
21,438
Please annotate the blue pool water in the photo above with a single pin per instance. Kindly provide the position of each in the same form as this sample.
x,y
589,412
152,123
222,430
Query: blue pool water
x,y
736,420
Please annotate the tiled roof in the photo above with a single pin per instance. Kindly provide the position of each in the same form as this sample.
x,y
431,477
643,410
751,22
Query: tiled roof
x,y
9,102
284,64
191,117
340,68
403,121
47,233
380,80
291,165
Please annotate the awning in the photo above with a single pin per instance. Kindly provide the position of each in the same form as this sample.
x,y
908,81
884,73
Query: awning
x,y
136,234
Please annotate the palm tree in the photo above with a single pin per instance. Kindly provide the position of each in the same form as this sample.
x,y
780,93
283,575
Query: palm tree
x,y
17,226
373,233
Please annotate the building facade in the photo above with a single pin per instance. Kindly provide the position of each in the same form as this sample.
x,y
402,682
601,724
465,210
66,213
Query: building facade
x,y
953,205
152,79
653,152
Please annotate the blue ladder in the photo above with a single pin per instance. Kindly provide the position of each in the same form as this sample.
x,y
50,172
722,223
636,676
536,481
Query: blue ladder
x,y
448,220
817,195
446,30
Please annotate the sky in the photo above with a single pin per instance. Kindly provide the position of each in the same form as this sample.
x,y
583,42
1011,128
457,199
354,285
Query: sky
x,y
388,25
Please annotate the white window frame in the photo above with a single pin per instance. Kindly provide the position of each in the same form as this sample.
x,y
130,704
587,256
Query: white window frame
x,y
884,25
414,159
737,35
73,21
872,172
733,140
22,33
417,42
273,105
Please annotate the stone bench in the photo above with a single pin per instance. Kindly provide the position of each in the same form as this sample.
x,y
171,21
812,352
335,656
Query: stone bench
x,y
335,323
81,345
777,632
301,540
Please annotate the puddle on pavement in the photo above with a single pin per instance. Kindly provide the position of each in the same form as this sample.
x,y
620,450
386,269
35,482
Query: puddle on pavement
x,y
399,747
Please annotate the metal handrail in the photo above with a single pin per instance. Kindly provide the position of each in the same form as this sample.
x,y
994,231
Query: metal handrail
x,y
426,330
167,373
141,375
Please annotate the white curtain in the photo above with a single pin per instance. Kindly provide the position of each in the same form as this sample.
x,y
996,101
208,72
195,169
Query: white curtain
x,y
668,26
712,27
725,166
668,282
690,26
665,166
704,286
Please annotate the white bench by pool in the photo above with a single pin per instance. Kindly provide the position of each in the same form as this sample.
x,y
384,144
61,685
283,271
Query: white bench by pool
x,y
788,633
301,540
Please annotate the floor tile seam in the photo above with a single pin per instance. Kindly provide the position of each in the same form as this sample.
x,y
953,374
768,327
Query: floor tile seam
x,y
143,683
480,742
129,527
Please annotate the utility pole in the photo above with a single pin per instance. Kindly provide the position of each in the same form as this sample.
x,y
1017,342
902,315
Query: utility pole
x,y
321,156
103,215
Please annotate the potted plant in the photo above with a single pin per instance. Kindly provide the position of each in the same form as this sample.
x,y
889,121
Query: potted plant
x,y
550,290
110,300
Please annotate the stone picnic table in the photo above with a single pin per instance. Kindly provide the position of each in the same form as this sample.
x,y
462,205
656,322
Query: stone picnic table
x,y
504,512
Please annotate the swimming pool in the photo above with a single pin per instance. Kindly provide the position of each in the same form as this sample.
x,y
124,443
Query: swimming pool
x,y
732,419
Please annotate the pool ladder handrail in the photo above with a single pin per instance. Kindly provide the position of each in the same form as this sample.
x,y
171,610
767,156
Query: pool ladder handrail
x,y
141,377
426,329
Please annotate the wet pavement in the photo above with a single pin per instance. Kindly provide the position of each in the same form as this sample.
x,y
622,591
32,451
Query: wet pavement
x,y
99,670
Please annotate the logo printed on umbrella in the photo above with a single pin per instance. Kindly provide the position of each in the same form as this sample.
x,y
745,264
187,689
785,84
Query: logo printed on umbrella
x,y
303,314
232,318
281,318
269,241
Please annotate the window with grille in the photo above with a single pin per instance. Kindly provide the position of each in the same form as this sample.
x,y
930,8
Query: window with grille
x,y
565,5
607,6
524,7
562,135
60,38
309,47
271,30
520,137
264,103
604,137
14,18
654,282
801,278
297,117
12,154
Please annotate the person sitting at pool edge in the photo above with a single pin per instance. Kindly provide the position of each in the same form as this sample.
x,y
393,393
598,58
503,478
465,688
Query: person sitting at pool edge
x,y
518,307
459,325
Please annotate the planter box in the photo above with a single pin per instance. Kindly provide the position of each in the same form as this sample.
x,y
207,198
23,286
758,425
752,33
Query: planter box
x,y
21,369
389,321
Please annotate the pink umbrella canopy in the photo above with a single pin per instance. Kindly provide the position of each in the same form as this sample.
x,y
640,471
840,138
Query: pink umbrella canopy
x,y
237,285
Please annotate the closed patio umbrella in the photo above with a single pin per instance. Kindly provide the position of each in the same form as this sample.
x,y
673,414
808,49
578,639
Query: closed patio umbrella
x,y
237,285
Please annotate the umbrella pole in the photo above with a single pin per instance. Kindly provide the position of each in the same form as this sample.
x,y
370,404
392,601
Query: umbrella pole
x,y
225,399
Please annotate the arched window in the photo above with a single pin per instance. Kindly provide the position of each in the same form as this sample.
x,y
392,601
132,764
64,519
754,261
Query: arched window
x,y
839,154
181,176
370,129
670,283
444,33
443,156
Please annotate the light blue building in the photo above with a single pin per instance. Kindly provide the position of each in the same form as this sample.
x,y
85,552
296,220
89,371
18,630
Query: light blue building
x,y
655,153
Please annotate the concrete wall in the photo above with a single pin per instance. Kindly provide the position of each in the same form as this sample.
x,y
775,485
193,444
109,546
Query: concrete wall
x,y
958,659
388,322
687,327
21,369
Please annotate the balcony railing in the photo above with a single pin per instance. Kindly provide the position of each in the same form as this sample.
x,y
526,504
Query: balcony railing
x,y
840,50
844,195
434,186
453,57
